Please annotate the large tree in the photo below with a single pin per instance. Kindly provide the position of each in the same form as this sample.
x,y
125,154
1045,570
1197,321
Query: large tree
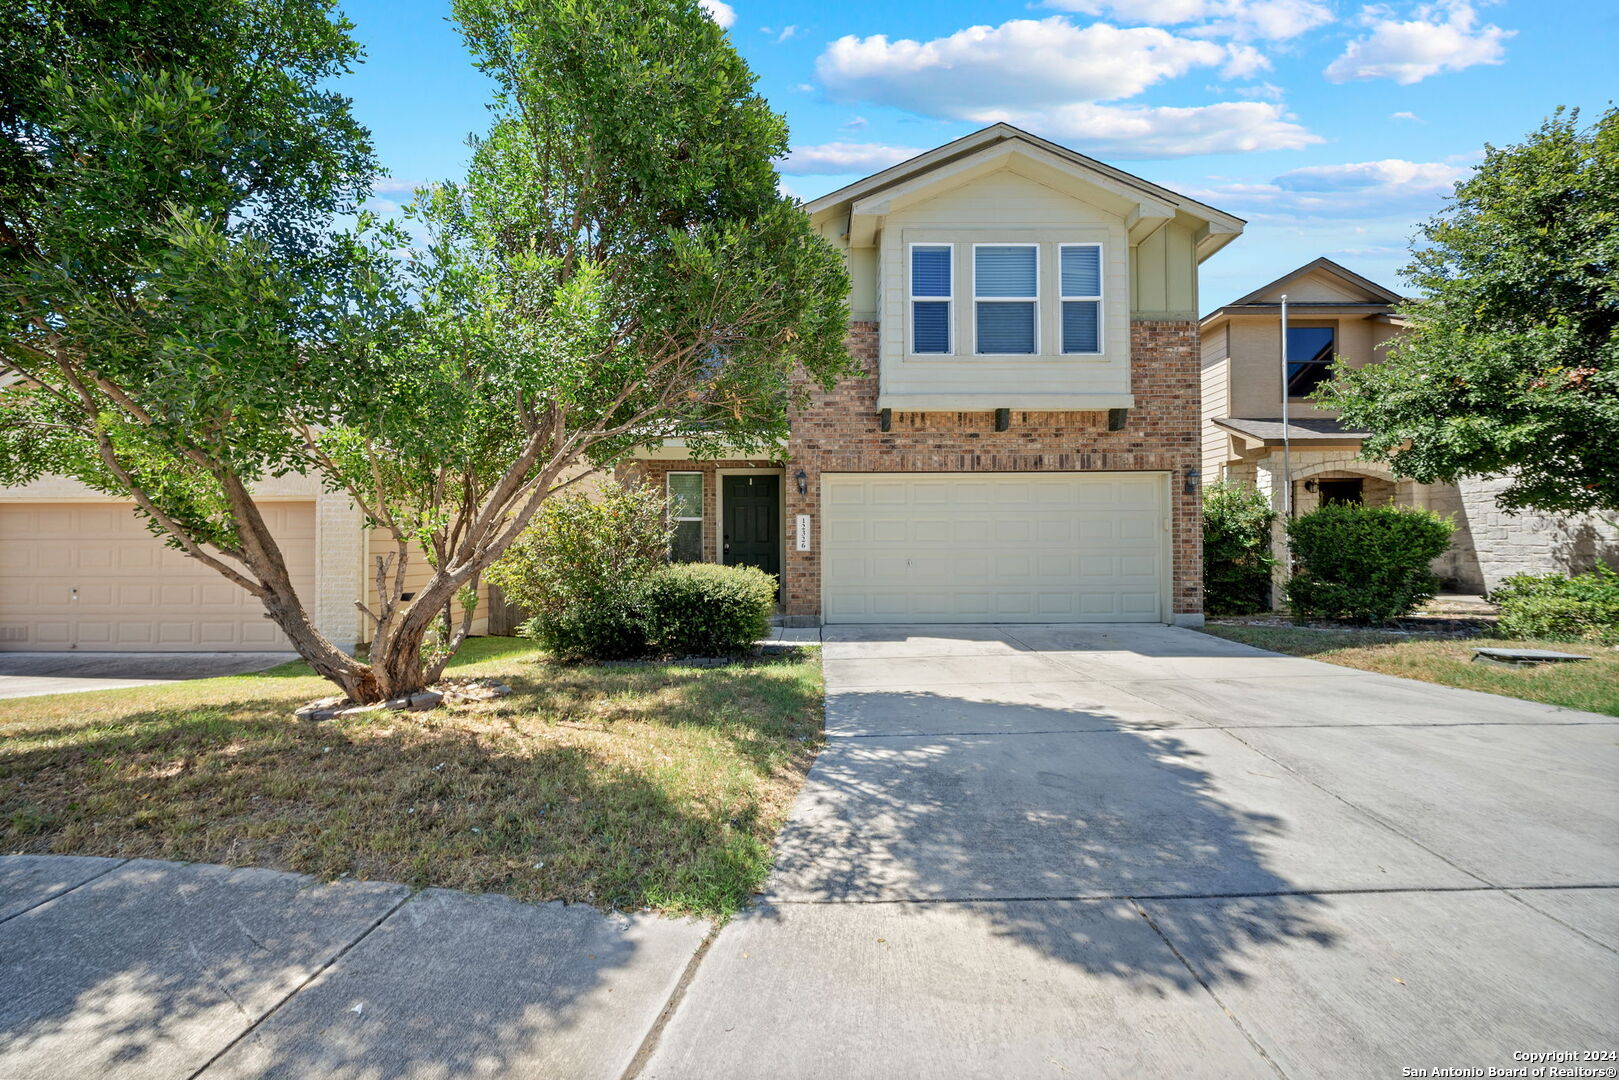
x,y
1511,365
620,263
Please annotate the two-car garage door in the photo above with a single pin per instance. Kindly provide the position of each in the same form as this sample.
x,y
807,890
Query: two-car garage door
x,y
88,576
993,547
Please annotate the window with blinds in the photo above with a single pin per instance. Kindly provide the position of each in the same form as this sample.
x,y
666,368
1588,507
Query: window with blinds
x,y
1081,273
1006,299
931,294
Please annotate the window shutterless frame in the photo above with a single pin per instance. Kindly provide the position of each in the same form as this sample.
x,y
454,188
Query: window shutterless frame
x,y
1033,300
946,301
683,546
1068,294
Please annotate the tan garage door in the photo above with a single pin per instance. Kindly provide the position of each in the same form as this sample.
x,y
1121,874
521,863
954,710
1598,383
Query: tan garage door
x,y
1001,547
88,576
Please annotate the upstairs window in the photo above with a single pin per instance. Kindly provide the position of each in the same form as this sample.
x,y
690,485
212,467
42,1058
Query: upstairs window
x,y
1309,358
931,294
1006,292
686,513
1081,273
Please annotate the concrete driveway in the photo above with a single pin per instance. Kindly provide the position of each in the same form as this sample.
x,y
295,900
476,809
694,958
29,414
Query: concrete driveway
x,y
1064,851
29,674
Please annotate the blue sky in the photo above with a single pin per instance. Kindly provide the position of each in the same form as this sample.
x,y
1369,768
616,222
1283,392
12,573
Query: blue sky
x,y
1332,126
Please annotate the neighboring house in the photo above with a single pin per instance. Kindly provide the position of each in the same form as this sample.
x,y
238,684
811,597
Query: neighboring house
x,y
1334,313
1022,443
1021,447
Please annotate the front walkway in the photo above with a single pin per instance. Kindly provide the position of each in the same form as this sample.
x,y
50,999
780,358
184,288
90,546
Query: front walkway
x,y
1025,852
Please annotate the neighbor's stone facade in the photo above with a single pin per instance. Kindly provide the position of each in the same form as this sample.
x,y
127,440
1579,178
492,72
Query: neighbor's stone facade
x,y
839,432
1489,544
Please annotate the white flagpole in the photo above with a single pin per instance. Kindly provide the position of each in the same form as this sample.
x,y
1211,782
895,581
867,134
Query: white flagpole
x,y
1287,472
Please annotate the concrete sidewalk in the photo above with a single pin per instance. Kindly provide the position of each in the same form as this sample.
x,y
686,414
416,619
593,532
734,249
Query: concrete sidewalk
x,y
157,970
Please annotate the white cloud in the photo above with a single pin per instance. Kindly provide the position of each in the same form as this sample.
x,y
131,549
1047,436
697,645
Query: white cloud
x,y
1359,191
856,123
786,32
1023,63
719,11
387,185
1441,37
1266,91
835,158
1139,131
1411,116
1272,20
1243,62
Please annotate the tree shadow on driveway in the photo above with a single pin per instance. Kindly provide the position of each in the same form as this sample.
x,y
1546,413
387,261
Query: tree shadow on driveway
x,y
1066,804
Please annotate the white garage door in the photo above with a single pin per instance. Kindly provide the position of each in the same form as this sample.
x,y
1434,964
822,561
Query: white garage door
x,y
997,547
88,576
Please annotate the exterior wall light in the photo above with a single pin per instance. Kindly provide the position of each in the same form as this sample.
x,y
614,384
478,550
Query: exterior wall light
x,y
803,482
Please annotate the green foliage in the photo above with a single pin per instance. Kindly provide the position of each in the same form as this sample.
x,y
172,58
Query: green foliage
x,y
179,318
703,609
1366,563
1578,607
168,172
580,570
1512,363
1237,562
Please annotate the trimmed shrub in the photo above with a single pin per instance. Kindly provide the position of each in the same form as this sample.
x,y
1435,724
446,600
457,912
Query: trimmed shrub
x,y
1237,562
1581,607
1366,563
580,571
703,609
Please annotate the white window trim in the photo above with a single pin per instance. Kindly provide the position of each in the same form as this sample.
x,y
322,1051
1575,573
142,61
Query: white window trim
x,y
1101,286
668,493
1035,299
948,301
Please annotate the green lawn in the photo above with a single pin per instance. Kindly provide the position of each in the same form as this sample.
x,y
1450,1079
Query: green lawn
x,y
657,785
1591,685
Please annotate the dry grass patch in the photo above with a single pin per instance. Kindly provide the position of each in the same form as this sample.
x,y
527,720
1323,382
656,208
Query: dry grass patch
x,y
656,785
1590,685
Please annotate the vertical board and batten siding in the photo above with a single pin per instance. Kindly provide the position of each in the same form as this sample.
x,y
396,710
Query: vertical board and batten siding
x,y
993,547
1163,274
1003,207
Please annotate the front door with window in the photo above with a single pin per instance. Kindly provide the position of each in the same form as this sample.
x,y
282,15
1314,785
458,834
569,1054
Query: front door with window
x,y
751,533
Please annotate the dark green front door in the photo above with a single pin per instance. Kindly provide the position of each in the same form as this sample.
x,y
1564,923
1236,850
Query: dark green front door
x,y
752,522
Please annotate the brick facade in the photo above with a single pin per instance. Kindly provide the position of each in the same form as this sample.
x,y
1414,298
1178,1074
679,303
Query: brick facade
x,y
838,431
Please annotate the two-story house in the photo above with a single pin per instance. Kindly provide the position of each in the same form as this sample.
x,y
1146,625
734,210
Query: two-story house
x,y
1335,314
1023,443
1022,446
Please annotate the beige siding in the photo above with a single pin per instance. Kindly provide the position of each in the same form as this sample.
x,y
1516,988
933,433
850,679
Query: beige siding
x,y
417,571
1256,354
1163,274
1216,401
864,293
1005,207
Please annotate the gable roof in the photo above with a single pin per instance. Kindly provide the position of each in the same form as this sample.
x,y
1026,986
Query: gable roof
x,y
1379,295
1147,204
